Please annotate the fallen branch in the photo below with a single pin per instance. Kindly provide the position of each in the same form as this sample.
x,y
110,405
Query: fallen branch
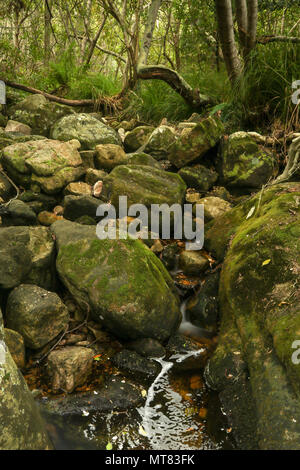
x,y
267,39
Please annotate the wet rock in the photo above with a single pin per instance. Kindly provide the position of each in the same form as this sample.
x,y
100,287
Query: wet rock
x,y
15,343
116,394
109,156
18,411
147,347
14,126
18,213
194,143
220,192
126,286
7,190
192,262
198,177
78,189
188,354
214,207
136,365
92,176
26,255
45,164
38,315
85,128
170,256
159,142
245,164
38,113
137,138
203,308
69,367
140,158
79,206
143,185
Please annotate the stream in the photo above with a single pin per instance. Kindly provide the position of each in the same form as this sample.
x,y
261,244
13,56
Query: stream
x,y
179,414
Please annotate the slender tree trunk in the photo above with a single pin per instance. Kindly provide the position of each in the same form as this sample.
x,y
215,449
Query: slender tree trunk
x,y
47,31
226,35
242,21
252,25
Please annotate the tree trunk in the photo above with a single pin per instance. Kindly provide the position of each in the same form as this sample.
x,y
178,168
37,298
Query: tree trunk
x,y
226,35
47,31
242,21
252,25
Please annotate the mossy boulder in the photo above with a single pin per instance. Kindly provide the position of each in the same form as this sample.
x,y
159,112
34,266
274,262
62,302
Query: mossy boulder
x,y
122,283
243,163
109,156
198,177
22,427
259,297
38,113
15,343
159,142
141,158
137,138
47,165
196,142
143,185
85,128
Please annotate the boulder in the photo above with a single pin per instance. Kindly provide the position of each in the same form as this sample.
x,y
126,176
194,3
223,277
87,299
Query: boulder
x,y
47,165
214,207
159,142
85,128
38,315
196,142
38,113
147,347
125,285
26,255
22,427
78,189
14,126
198,177
69,368
137,138
192,262
109,156
140,158
143,185
18,213
79,206
259,302
16,346
245,164
135,365
92,176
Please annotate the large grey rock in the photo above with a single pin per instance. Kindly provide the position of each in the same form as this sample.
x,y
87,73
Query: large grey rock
x,y
22,427
125,285
137,138
144,185
160,142
26,255
85,128
47,165
38,315
38,113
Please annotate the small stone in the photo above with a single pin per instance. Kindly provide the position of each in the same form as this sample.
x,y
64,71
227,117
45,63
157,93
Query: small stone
x,y
15,343
137,138
58,210
136,365
69,367
192,262
97,188
48,218
78,189
157,247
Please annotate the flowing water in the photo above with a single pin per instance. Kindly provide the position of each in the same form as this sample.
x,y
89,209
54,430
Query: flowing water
x,y
178,414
